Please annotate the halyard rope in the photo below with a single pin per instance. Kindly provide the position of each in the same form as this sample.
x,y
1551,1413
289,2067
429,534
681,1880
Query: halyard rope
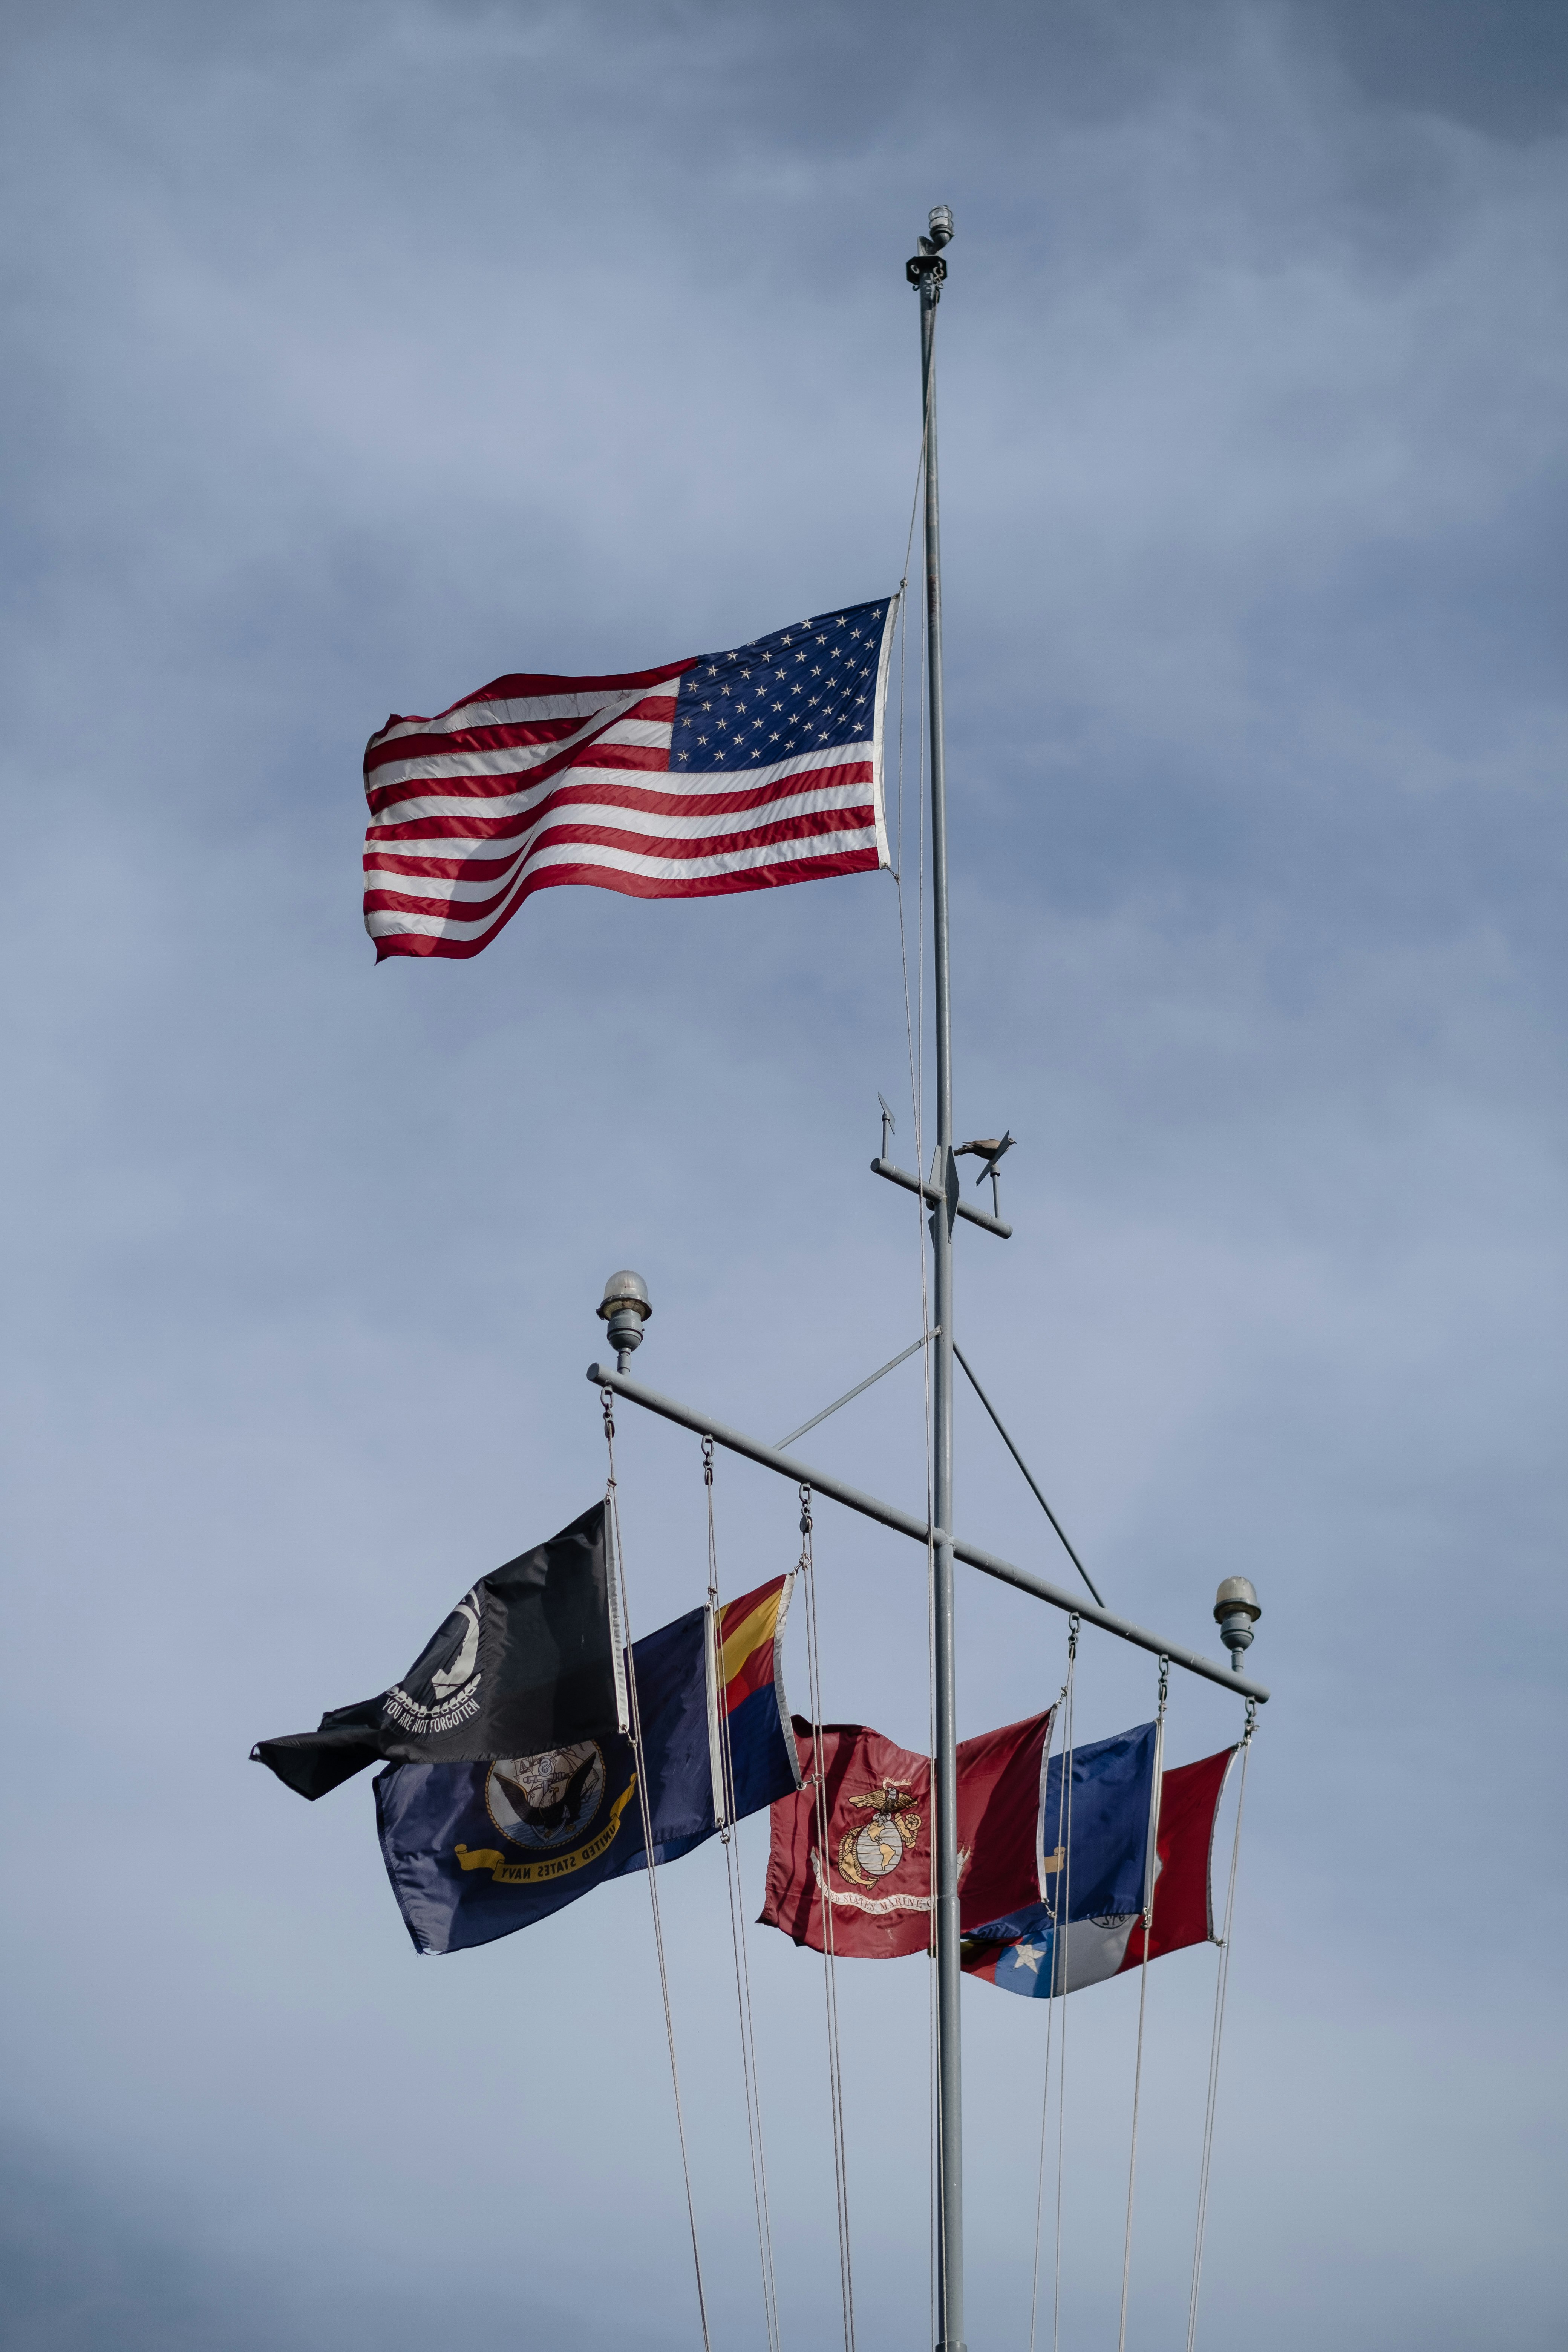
x,y
606,1398
909,545
730,1836
829,1966
1221,1983
1066,1916
1059,1927
1150,1884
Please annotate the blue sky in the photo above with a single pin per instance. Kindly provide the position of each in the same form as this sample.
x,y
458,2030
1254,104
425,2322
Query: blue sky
x,y
357,353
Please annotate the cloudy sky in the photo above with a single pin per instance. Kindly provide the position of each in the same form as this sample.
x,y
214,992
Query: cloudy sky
x,y
356,354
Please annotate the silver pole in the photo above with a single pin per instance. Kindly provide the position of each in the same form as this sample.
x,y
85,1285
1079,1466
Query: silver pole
x,y
927,271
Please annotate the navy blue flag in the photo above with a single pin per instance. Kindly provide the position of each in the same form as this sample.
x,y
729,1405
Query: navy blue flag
x,y
477,1851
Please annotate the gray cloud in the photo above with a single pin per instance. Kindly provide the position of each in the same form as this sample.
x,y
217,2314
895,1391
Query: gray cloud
x,y
356,354
89,2261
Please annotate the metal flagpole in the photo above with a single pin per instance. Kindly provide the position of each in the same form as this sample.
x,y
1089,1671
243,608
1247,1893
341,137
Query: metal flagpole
x,y
626,1307
926,272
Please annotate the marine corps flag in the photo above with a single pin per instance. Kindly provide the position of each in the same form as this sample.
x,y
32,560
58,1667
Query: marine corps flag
x,y
477,1851
877,1874
529,1659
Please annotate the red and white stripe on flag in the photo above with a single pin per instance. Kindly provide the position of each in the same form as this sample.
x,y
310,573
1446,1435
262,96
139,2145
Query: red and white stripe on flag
x,y
737,771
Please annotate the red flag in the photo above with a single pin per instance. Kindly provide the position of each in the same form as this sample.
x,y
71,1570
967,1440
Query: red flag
x,y
1031,1955
1001,1781
1189,1804
878,1800
877,1866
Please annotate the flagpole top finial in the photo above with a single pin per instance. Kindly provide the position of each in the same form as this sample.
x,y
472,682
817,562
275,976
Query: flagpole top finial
x,y
926,269
1237,1610
625,1307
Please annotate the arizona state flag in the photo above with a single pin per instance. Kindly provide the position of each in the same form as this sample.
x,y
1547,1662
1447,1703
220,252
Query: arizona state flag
x,y
476,1851
529,1658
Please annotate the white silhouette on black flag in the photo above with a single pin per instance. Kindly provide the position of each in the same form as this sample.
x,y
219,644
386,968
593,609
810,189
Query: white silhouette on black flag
x,y
528,1660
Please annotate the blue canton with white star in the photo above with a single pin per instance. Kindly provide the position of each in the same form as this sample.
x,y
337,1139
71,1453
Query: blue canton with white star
x,y
806,688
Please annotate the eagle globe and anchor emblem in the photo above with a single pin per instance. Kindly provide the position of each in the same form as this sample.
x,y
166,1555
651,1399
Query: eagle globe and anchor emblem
x,y
876,1850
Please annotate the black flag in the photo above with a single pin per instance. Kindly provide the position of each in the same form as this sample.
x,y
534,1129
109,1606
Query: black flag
x,y
528,1660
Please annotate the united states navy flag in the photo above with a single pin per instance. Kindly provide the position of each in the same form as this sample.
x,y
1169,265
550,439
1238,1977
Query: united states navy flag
x,y
477,1851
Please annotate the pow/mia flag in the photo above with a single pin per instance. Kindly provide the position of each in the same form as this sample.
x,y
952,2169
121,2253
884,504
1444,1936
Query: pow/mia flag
x,y
530,1660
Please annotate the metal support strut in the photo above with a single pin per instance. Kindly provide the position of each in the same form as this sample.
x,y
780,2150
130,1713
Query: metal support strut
x,y
905,1523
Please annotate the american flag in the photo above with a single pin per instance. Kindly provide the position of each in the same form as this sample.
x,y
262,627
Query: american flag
x,y
728,771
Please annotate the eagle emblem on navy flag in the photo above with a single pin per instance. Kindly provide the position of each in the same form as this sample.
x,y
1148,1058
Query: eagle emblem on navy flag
x,y
549,1800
